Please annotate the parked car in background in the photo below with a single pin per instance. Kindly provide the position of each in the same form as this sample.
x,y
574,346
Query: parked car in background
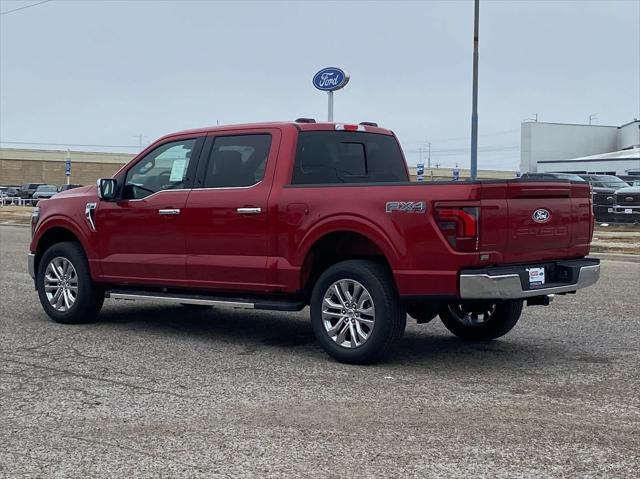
x,y
552,176
68,187
9,194
627,201
44,192
604,188
28,189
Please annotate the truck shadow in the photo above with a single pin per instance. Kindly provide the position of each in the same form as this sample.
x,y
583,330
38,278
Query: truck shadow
x,y
422,346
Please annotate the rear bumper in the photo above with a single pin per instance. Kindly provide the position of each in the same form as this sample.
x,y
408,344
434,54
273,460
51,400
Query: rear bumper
x,y
512,282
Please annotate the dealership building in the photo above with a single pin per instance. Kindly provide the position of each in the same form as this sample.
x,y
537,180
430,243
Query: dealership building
x,y
19,166
569,148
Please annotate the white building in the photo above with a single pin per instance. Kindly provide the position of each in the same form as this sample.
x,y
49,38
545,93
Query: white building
x,y
562,147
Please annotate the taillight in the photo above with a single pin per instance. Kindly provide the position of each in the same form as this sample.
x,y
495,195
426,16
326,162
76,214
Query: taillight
x,y
459,225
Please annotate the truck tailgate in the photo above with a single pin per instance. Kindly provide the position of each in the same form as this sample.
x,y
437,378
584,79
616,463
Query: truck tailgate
x,y
544,220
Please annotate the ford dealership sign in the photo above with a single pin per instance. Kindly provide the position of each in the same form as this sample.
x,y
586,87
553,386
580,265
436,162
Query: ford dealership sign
x,y
330,79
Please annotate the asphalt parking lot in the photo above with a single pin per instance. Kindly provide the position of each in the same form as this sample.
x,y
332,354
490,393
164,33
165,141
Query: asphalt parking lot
x,y
151,391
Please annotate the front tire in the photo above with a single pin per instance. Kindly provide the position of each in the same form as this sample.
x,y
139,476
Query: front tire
x,y
356,314
481,321
66,291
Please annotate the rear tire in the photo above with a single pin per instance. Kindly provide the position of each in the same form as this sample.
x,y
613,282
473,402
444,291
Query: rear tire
x,y
66,291
463,319
362,320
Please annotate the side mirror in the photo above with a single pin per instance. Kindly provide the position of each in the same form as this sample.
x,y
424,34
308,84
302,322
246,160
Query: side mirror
x,y
106,189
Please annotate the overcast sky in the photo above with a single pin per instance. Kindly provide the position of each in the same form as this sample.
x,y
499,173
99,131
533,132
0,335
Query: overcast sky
x,y
102,72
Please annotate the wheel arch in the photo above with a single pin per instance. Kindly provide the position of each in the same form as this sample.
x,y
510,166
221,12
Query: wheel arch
x,y
55,233
340,244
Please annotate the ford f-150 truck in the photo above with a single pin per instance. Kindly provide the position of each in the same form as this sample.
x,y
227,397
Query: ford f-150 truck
x,y
281,216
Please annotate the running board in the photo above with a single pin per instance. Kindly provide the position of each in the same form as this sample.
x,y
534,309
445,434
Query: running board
x,y
207,300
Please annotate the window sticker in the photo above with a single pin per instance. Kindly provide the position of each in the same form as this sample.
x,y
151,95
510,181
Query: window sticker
x,y
177,170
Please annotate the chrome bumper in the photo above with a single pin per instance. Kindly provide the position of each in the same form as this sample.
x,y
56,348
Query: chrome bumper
x,y
31,260
509,286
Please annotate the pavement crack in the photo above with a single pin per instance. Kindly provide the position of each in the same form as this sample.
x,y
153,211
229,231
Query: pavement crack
x,y
68,372
135,450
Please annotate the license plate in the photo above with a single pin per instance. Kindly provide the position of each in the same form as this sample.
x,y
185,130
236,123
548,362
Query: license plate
x,y
628,210
609,210
536,276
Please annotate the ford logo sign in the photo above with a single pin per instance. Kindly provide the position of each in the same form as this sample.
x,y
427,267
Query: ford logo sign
x,y
541,215
330,79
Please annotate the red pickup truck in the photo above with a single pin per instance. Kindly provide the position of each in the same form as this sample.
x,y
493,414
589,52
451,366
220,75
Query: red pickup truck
x,y
281,216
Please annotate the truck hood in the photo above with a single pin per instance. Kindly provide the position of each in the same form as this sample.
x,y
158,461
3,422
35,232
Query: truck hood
x,y
82,191
628,189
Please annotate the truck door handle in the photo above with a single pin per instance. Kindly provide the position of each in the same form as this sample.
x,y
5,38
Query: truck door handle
x,y
249,211
169,211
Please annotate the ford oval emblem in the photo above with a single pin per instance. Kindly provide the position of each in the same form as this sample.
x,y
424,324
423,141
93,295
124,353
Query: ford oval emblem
x,y
330,79
541,215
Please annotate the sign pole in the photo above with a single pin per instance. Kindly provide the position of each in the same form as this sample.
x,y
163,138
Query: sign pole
x,y
330,106
67,166
474,114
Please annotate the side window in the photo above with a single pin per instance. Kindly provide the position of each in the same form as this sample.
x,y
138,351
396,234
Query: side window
x,y
164,168
329,157
237,161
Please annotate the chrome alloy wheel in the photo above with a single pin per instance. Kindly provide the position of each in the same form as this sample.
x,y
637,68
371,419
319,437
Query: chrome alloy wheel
x,y
348,313
61,284
472,316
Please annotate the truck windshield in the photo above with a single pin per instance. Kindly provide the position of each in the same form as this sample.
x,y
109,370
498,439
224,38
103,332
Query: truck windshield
x,y
609,181
329,157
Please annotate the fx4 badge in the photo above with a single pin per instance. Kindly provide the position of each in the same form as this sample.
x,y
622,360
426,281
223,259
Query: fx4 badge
x,y
406,206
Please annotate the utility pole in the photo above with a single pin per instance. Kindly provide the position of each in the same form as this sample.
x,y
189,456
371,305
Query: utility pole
x,y
140,138
593,116
429,155
474,110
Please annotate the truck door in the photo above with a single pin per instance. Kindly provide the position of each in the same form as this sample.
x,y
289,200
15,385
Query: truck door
x,y
227,217
141,237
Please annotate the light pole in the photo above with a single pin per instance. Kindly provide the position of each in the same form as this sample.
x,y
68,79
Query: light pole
x,y
593,116
474,110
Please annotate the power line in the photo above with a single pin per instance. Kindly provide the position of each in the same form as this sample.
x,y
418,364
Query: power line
x,y
26,6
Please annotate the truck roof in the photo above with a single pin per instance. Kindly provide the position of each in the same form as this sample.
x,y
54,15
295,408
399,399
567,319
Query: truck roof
x,y
322,126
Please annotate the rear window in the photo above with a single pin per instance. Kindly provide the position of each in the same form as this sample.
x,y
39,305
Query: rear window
x,y
329,157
